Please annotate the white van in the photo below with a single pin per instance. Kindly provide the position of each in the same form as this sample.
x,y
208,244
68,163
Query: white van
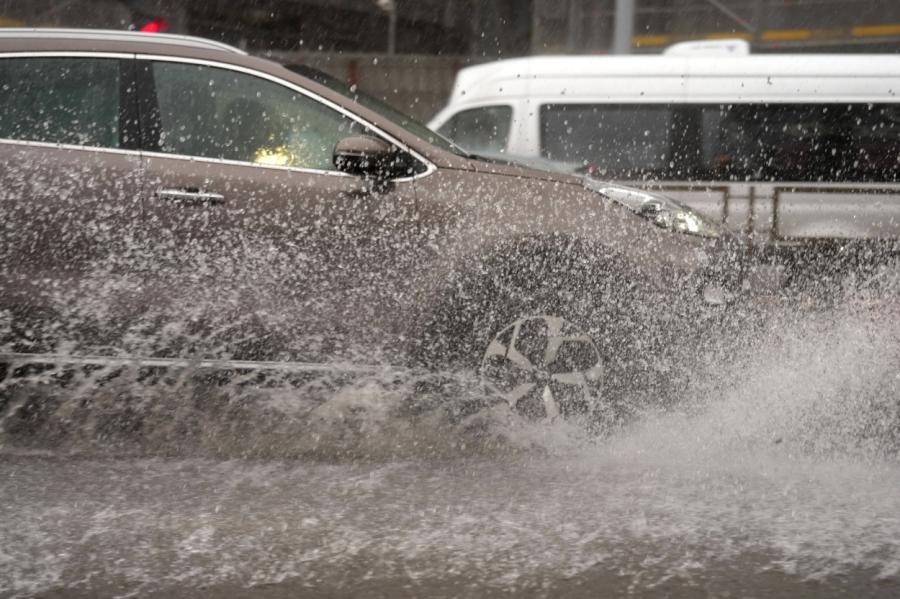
x,y
785,148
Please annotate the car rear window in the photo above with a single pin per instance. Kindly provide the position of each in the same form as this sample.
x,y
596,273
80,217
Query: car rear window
x,y
60,100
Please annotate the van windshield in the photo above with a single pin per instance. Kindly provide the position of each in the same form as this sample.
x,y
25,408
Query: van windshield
x,y
384,109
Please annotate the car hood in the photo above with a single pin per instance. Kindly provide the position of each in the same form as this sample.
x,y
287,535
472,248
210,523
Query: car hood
x,y
498,166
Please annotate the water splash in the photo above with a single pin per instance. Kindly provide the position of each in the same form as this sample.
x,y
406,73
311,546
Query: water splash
x,y
778,470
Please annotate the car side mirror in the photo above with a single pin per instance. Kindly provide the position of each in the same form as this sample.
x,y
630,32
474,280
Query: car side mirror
x,y
364,156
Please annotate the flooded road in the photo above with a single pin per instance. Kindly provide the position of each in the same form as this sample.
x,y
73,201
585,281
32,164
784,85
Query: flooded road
x,y
777,477
599,522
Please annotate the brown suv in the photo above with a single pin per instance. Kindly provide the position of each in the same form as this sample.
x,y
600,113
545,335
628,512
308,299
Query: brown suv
x,y
173,197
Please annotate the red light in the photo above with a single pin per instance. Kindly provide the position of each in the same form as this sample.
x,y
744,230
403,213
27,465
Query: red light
x,y
155,26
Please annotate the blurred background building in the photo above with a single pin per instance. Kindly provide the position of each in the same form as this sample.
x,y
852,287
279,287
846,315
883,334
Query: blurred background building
x,y
408,50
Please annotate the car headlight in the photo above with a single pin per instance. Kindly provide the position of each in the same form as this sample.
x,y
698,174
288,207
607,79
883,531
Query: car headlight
x,y
662,211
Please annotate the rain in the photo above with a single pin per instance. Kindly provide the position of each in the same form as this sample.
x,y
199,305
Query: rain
x,y
382,298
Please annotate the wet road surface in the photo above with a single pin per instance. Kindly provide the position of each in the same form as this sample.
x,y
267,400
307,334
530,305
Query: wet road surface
x,y
779,478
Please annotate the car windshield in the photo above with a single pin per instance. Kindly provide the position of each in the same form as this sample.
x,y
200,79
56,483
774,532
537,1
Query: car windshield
x,y
384,109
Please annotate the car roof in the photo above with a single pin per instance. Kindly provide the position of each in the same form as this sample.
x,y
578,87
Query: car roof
x,y
165,39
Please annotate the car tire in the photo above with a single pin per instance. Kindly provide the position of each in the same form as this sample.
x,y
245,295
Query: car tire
x,y
554,281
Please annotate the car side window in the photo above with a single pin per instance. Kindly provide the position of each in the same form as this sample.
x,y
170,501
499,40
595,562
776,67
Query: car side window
x,y
60,100
484,129
212,112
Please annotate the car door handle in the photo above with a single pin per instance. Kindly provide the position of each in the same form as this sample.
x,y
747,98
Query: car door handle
x,y
191,196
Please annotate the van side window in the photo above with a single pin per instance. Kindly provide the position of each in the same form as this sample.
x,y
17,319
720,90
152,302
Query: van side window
x,y
218,113
60,100
480,130
827,143
622,141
